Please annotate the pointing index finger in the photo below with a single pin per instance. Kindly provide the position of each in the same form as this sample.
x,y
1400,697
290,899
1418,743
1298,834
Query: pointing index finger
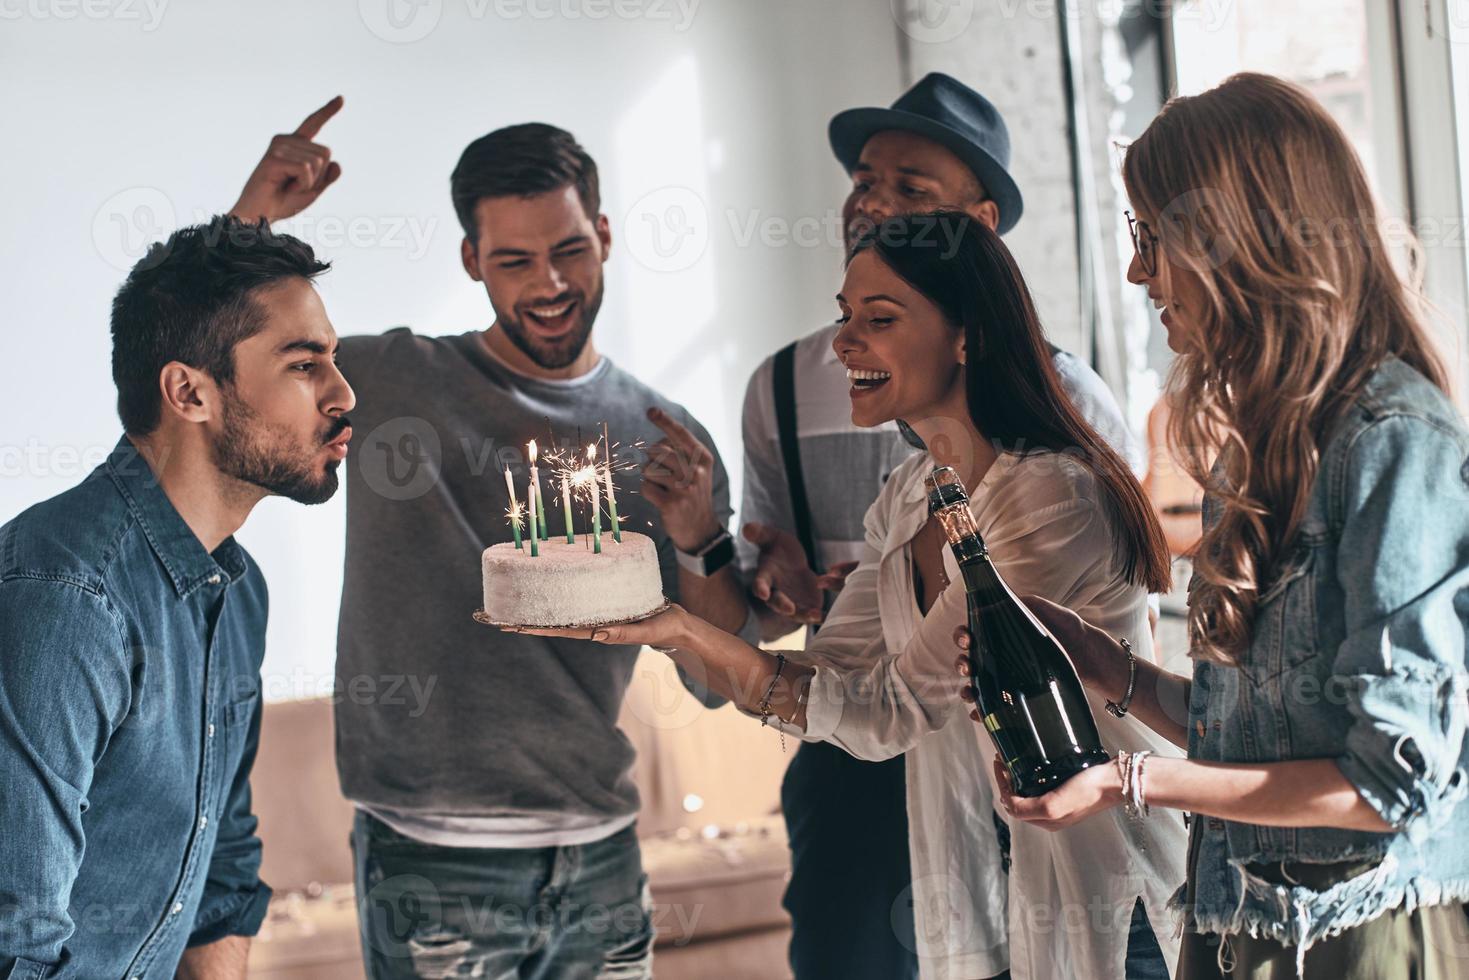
x,y
676,432
312,124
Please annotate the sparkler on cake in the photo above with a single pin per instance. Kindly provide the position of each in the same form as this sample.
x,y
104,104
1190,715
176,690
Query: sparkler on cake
x,y
570,581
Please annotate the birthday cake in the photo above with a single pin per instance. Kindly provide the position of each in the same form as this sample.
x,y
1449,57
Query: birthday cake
x,y
571,585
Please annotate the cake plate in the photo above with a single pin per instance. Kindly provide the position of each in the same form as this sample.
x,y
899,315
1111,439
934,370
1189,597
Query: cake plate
x,y
480,616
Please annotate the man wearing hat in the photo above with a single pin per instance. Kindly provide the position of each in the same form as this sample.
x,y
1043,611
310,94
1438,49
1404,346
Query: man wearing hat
x,y
941,145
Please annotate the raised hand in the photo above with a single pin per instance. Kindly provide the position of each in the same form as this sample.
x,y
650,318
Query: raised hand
x,y
292,174
783,579
678,479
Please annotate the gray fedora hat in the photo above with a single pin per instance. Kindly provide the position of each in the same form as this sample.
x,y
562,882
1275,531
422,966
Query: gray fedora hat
x,y
951,113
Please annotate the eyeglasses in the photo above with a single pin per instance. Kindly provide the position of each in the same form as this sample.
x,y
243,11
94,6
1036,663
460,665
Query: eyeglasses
x,y
1144,242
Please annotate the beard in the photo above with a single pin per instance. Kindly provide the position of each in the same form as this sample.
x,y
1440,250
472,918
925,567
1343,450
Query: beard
x,y
854,228
556,354
271,458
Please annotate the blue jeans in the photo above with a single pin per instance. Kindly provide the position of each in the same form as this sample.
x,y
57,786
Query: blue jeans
x,y
1144,955
551,913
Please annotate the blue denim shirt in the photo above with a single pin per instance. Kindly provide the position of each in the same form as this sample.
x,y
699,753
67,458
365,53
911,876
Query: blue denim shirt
x,y
129,711
1358,655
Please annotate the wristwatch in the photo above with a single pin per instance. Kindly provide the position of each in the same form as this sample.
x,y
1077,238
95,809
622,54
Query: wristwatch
x,y
712,557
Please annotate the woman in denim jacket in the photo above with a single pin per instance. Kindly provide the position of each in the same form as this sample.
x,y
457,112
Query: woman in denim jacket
x,y
1325,718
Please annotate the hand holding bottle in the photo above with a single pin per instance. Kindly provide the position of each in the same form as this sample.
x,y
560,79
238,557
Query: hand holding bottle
x,y
1024,684
1089,792
1085,644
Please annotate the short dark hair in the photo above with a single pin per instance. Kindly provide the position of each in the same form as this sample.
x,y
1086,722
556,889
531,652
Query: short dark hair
x,y
189,300
520,161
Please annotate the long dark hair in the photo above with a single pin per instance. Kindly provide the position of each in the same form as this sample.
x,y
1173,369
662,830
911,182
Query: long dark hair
x,y
1013,393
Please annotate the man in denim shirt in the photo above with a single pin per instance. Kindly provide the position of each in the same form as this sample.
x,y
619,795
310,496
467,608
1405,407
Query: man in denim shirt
x,y
132,626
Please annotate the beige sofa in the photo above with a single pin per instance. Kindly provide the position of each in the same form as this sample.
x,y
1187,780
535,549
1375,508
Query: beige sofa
x,y
714,844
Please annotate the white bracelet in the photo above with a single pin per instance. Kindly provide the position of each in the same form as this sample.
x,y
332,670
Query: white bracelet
x,y
1124,776
1138,772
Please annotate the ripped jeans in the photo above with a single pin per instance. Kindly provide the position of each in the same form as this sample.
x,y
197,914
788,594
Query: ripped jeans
x,y
552,913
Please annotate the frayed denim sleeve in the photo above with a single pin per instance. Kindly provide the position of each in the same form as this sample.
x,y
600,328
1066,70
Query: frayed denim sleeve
x,y
1403,566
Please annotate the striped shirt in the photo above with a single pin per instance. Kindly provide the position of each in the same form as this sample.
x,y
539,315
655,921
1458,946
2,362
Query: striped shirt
x,y
844,466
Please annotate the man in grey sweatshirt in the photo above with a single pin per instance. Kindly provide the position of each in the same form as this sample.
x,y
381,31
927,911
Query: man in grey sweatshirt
x,y
495,831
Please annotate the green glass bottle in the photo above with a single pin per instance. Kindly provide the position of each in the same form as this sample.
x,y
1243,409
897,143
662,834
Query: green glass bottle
x,y
1024,683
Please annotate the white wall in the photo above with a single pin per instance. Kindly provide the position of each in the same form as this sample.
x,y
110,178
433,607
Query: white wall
x,y
123,120
1011,53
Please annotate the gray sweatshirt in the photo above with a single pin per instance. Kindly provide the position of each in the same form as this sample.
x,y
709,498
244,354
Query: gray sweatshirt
x,y
437,714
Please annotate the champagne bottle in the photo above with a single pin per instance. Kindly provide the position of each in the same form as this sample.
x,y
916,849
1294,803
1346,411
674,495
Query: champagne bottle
x,y
1024,683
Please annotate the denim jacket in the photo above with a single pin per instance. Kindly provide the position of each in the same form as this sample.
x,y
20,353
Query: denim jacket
x,y
1358,655
129,711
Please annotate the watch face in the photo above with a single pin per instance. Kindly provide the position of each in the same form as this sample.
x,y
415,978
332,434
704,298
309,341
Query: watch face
x,y
720,555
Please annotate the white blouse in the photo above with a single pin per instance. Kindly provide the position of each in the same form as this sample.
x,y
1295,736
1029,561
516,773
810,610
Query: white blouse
x,y
885,684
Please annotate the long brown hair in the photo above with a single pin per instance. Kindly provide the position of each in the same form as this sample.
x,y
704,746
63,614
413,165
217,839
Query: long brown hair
x,y
1257,190
1013,393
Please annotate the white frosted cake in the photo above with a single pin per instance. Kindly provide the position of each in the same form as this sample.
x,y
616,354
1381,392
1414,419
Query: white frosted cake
x,y
569,585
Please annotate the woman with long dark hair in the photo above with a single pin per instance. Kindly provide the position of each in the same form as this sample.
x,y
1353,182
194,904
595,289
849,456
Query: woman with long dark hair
x,y
1324,717
939,331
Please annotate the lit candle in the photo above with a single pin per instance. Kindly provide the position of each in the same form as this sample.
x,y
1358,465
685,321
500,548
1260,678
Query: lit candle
x,y
566,505
530,516
611,492
533,498
514,508
596,502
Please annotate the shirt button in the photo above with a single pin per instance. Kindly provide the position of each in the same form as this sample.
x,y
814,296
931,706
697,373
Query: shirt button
x,y
211,729
177,908
215,579
203,822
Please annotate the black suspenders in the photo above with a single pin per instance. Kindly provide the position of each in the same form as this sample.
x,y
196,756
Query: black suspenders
x,y
785,422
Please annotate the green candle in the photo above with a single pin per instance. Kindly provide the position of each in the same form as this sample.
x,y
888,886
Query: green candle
x,y
535,547
611,493
514,508
566,505
533,498
596,517
612,506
